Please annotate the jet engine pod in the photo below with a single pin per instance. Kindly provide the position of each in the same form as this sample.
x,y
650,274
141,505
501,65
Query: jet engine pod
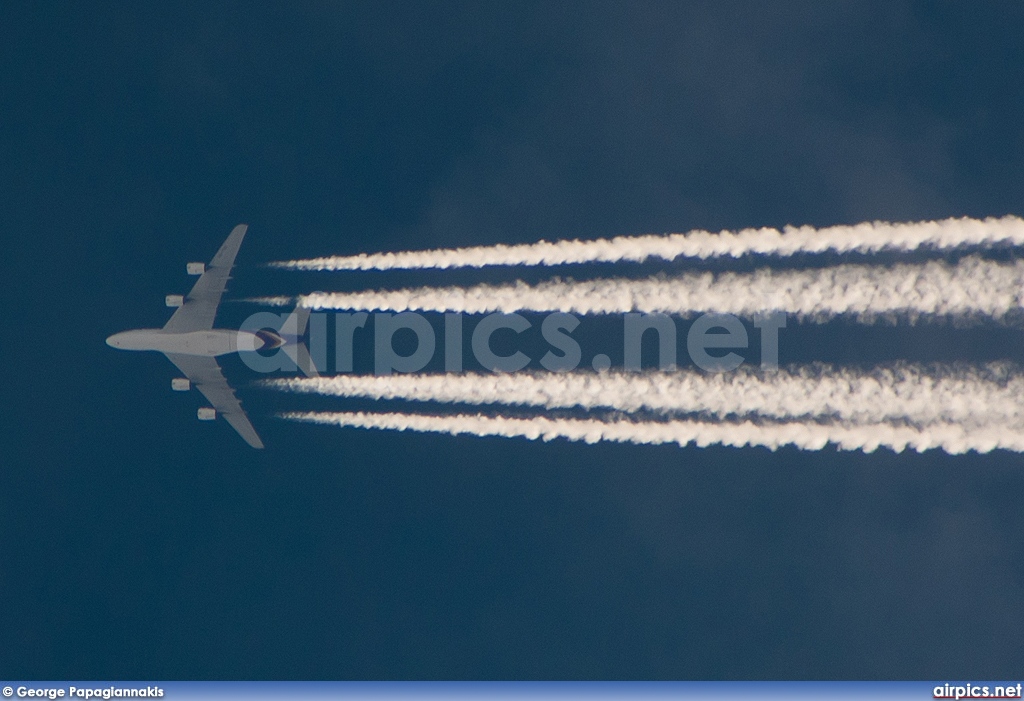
x,y
174,300
195,268
181,384
206,413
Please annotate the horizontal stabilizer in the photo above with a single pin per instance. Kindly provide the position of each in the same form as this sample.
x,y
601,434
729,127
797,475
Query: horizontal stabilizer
x,y
300,356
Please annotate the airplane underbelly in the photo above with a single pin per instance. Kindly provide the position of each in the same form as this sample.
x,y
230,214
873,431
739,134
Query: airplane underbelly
x,y
208,343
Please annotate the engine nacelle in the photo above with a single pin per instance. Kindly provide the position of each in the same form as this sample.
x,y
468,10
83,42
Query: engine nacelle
x,y
206,413
195,268
174,300
181,384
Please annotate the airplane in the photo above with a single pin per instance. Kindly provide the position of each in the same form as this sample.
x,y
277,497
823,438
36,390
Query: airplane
x,y
191,343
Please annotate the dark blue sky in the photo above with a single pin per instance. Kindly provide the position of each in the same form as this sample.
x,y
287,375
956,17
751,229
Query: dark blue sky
x,y
138,543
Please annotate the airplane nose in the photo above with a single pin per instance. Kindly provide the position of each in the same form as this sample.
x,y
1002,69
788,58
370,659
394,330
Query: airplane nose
x,y
112,341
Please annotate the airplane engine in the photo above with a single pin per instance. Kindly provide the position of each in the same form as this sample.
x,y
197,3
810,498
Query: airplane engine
x,y
206,413
174,300
181,384
195,268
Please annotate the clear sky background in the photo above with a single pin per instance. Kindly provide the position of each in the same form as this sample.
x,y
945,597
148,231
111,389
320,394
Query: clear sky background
x,y
138,543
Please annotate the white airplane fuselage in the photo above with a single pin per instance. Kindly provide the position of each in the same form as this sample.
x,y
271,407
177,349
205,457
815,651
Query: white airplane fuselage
x,y
213,342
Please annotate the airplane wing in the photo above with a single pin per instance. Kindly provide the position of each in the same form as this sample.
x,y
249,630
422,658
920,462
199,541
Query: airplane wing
x,y
205,374
200,306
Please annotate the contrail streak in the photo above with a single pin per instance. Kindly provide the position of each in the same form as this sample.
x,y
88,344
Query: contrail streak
x,y
973,286
973,396
951,438
869,237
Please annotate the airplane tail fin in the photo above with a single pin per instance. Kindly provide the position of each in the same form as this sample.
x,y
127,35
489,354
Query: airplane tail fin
x,y
295,326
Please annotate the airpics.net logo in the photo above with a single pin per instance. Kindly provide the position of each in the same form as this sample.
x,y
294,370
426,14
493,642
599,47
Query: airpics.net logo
x,y
977,691
407,342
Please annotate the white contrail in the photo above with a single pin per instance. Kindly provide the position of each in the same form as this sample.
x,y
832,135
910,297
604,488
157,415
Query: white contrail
x,y
952,438
973,286
869,237
972,396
